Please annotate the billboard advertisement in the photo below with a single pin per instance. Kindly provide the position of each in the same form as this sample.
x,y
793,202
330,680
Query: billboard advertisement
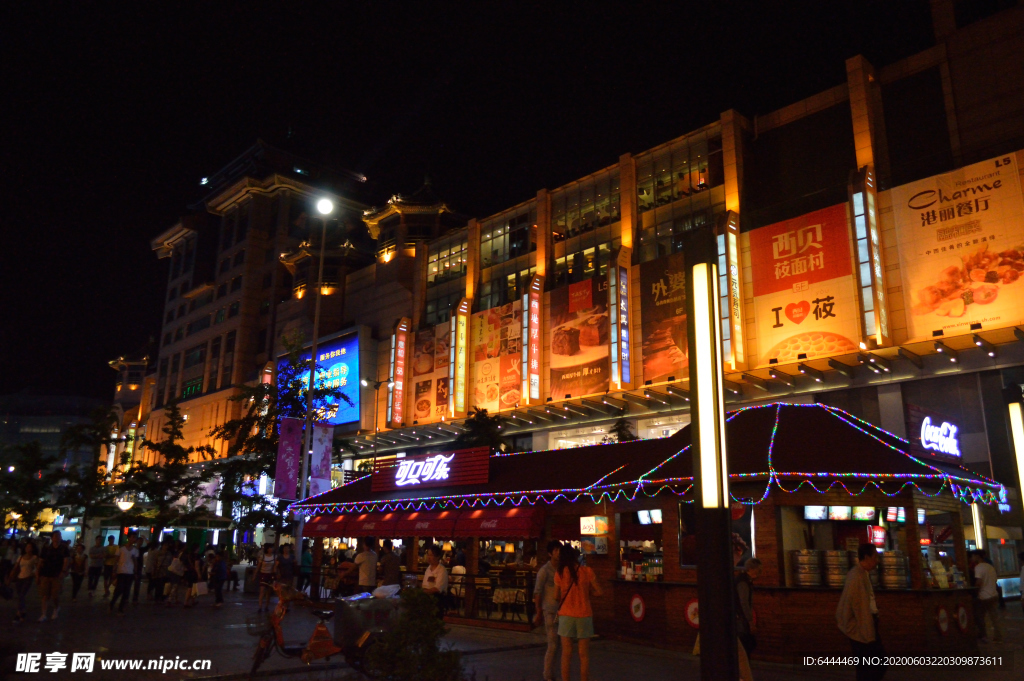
x,y
430,373
320,472
289,447
579,339
663,318
805,294
961,245
495,377
338,367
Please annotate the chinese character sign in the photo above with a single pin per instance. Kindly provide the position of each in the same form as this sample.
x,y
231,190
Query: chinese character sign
x,y
320,472
580,352
663,318
430,386
533,328
289,446
961,245
337,366
495,378
805,295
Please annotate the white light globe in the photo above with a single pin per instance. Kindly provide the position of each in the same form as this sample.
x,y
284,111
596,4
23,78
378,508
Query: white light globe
x,y
325,206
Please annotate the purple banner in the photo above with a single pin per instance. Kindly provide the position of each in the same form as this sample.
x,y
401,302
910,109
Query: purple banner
x,y
286,475
320,473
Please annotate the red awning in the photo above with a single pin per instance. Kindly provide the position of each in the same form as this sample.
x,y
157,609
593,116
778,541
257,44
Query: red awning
x,y
325,526
371,525
524,522
426,524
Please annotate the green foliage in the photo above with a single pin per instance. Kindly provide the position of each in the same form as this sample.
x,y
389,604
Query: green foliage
x,y
86,487
27,489
482,430
171,478
412,651
253,437
621,431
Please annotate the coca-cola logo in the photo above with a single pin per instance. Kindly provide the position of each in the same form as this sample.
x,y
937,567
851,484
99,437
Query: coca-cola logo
x,y
489,525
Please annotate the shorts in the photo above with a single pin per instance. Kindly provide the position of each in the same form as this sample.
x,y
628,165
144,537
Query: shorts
x,y
49,589
108,572
266,579
575,627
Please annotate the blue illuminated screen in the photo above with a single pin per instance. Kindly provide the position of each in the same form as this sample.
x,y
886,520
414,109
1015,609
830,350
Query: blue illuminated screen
x,y
338,367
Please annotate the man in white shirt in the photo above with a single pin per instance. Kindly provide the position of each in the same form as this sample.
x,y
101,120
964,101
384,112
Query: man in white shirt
x,y
125,571
986,601
435,578
366,562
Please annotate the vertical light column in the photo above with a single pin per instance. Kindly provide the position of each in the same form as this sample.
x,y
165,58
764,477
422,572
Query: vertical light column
x,y
397,374
979,526
532,334
706,387
618,289
458,364
1017,432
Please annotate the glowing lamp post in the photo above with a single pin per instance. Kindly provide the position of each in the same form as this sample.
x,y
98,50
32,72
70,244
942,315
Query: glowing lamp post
x,y
325,207
718,642
1017,430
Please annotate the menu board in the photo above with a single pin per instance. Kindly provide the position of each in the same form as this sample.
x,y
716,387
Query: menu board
x,y
961,245
663,318
430,373
495,377
805,294
579,339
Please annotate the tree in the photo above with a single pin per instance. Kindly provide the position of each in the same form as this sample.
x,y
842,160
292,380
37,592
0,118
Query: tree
x,y
621,431
482,430
412,651
27,489
169,480
253,438
87,486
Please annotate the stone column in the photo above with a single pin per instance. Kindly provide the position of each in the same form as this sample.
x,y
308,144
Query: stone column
x,y
545,245
472,570
959,541
627,200
913,534
318,561
472,259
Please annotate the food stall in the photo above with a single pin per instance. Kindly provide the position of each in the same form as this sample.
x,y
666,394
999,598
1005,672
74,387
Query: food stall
x,y
630,506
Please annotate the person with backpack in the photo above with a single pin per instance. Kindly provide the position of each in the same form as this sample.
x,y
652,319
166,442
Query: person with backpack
x,y
575,584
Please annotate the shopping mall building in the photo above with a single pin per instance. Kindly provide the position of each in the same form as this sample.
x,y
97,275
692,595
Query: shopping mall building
x,y
871,253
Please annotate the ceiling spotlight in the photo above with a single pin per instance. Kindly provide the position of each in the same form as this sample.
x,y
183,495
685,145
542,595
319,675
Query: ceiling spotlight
x,y
881,362
946,350
734,388
678,392
811,371
780,376
985,345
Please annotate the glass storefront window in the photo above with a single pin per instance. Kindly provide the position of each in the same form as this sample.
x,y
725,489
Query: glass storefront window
x,y
446,259
586,205
508,235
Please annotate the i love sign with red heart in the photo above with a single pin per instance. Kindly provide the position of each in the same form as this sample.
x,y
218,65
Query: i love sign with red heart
x,y
797,312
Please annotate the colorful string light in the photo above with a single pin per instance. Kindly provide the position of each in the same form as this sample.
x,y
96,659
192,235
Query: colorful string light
x,y
966,489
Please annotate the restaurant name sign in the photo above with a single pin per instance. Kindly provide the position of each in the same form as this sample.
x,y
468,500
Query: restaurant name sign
x,y
443,469
942,439
932,434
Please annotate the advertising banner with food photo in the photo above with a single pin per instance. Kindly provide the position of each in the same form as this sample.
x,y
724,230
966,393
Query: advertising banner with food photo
x,y
961,244
580,336
496,337
663,318
805,295
430,373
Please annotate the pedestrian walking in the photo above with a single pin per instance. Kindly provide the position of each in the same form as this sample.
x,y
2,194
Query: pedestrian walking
x,y
54,561
390,566
161,562
191,576
305,567
218,575
96,556
266,567
547,607
22,574
125,572
175,573
857,614
110,553
137,577
79,564
286,568
575,584
986,600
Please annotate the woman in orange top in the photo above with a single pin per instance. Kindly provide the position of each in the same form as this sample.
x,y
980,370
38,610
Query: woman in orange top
x,y
574,584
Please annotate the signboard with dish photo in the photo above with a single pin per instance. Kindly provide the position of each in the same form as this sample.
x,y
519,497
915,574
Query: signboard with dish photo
x,y
496,345
961,245
663,318
430,373
805,296
580,339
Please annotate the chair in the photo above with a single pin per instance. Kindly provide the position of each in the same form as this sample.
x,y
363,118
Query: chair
x,y
457,588
484,595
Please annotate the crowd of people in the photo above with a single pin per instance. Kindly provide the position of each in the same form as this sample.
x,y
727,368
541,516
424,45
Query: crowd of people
x,y
174,572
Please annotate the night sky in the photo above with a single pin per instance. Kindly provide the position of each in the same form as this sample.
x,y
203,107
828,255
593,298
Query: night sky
x,y
111,117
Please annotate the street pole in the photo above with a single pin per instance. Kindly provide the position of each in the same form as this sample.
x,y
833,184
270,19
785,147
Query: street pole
x,y
326,207
719,658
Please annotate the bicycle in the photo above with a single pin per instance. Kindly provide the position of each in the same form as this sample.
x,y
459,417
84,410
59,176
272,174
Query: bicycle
x,y
320,645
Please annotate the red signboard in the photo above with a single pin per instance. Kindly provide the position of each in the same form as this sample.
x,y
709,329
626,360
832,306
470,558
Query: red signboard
x,y
516,522
444,469
371,525
427,524
533,327
399,354
325,526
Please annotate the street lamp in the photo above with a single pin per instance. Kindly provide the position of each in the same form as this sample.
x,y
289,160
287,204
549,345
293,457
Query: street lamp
x,y
715,588
325,207
125,504
376,407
